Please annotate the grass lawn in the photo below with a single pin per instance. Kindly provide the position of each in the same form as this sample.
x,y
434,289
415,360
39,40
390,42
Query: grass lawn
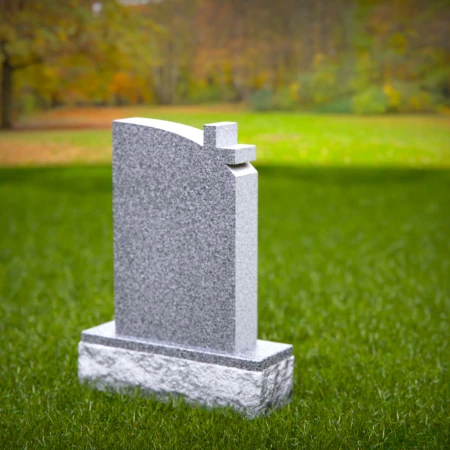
x,y
282,139
354,271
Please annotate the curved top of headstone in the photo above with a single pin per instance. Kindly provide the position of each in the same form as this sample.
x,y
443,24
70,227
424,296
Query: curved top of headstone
x,y
193,134
221,136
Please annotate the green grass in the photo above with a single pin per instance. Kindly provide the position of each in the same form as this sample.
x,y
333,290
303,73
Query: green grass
x,y
296,139
354,271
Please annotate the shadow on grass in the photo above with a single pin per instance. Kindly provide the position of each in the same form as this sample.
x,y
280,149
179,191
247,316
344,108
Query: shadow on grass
x,y
97,178
75,179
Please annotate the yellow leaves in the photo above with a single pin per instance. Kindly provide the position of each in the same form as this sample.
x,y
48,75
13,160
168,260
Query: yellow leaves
x,y
121,83
128,88
407,97
420,101
7,32
61,35
393,95
50,73
324,78
319,59
444,109
294,91
261,79
202,83
399,42
43,78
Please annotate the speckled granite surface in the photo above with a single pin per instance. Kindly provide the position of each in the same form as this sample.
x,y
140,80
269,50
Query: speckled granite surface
x,y
250,392
185,234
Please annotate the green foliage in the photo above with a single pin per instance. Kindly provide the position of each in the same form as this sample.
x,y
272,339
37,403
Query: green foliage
x,y
28,103
267,100
365,74
438,81
262,100
285,99
323,80
341,106
204,93
371,101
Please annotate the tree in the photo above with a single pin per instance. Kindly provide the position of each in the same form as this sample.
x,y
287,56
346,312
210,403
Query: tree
x,y
52,32
32,32
310,53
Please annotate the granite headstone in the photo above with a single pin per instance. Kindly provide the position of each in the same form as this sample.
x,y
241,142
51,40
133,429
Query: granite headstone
x,y
185,205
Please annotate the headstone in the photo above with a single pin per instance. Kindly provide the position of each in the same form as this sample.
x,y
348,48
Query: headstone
x,y
185,272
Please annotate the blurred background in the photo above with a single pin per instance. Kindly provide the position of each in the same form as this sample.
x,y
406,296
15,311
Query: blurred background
x,y
339,56
348,103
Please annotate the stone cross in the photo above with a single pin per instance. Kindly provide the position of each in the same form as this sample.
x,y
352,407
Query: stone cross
x,y
185,207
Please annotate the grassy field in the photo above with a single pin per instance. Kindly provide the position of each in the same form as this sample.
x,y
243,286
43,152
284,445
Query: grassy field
x,y
282,139
354,271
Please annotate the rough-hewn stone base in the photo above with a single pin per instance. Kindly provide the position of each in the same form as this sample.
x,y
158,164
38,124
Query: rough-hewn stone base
x,y
252,392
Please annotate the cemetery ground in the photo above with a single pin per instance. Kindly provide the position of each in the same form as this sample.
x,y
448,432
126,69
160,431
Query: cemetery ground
x,y
354,271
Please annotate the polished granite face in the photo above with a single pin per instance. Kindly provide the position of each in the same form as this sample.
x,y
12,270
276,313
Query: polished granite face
x,y
185,235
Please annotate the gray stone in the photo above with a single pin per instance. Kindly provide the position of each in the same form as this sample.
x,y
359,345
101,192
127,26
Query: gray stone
x,y
185,235
185,208
261,356
250,392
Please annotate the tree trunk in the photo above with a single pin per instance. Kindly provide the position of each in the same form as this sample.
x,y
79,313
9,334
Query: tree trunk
x,y
6,94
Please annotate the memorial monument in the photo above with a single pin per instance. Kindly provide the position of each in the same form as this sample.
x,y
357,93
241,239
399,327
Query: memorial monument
x,y
185,208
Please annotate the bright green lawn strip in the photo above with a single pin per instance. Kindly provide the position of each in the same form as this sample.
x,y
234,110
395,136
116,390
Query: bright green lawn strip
x,y
300,139
354,271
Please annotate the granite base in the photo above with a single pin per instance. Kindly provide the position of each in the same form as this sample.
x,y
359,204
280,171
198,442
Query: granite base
x,y
253,383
